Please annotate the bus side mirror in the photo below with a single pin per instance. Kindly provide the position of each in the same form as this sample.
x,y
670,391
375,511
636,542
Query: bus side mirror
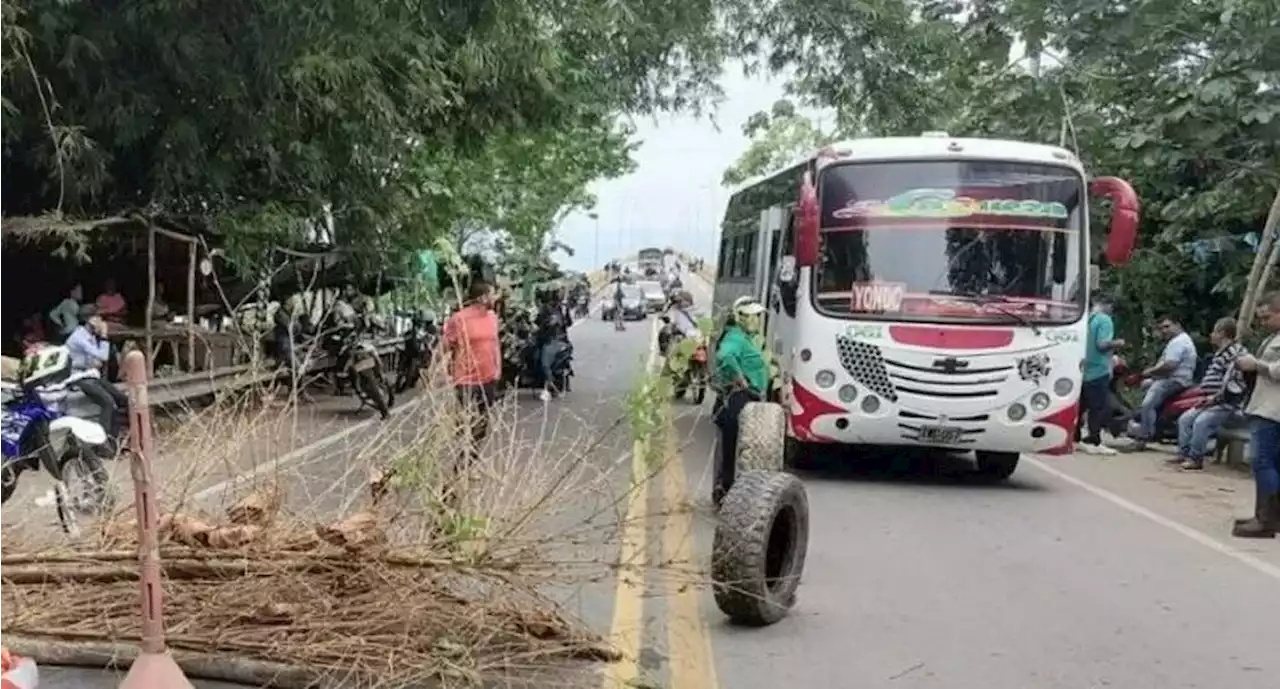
x,y
1122,234
1095,277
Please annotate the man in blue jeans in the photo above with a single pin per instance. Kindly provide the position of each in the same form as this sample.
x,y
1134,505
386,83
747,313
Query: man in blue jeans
x,y
1263,412
1226,384
1095,392
1171,375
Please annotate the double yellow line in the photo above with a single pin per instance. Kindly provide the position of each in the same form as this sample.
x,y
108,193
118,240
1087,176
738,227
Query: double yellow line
x,y
690,661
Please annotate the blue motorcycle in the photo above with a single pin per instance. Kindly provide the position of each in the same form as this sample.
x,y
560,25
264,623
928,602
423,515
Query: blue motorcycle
x,y
36,433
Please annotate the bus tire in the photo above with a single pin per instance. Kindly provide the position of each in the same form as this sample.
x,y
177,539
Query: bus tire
x,y
758,553
762,433
797,454
995,467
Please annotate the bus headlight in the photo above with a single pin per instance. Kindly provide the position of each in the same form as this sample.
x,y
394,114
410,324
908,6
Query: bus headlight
x,y
825,378
1040,401
1063,387
1017,412
870,404
848,394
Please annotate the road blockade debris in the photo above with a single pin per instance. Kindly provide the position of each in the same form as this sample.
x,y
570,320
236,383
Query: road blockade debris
x,y
758,554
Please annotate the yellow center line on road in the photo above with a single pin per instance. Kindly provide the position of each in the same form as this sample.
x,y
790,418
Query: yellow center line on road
x,y
626,632
691,664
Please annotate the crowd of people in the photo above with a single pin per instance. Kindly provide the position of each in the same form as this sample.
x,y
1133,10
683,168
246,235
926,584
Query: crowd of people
x,y
1235,385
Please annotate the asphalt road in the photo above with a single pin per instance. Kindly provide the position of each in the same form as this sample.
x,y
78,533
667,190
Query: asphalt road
x,y
1079,574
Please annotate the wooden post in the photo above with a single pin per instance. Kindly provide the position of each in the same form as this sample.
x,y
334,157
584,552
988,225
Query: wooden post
x,y
151,297
1257,283
191,306
154,668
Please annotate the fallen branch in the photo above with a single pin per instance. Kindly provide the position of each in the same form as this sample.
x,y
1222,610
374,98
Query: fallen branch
x,y
196,665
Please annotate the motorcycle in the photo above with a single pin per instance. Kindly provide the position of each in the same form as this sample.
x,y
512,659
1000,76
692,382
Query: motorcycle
x,y
520,352
1125,419
359,363
581,306
418,348
37,433
685,363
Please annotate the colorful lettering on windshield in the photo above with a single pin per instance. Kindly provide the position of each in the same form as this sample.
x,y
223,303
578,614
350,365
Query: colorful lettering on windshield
x,y
943,203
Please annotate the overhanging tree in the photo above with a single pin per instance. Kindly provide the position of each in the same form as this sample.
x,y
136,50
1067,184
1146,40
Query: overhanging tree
x,y
266,114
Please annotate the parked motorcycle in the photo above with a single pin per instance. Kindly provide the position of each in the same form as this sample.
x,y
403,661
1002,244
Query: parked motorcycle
x,y
37,433
418,348
360,364
1125,420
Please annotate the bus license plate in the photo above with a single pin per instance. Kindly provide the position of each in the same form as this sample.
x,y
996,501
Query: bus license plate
x,y
940,435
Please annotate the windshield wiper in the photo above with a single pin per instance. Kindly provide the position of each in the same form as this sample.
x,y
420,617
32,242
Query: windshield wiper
x,y
998,302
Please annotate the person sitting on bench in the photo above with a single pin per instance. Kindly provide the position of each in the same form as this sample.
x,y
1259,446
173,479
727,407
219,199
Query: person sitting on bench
x,y
1227,386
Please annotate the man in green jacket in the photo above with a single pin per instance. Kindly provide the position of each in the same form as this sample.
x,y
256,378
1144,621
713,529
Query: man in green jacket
x,y
741,376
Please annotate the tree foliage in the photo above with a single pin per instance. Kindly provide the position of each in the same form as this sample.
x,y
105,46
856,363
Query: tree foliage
x,y
1181,98
778,137
399,119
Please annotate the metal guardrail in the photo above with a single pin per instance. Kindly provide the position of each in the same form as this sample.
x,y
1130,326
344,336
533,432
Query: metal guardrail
x,y
188,386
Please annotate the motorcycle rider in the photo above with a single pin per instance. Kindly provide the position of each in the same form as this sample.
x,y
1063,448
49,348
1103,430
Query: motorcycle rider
x,y
90,351
551,338
678,320
742,376
1171,375
619,323
1227,386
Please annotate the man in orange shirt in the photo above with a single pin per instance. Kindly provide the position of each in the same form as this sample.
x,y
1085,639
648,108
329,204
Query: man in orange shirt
x,y
475,356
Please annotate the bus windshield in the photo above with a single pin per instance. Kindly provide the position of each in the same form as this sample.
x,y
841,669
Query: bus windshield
x,y
951,241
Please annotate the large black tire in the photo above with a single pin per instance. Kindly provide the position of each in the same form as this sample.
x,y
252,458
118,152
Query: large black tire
x,y
375,390
762,437
995,467
760,544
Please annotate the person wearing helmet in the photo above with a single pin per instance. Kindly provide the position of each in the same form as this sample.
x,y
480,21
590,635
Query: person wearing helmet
x,y
741,376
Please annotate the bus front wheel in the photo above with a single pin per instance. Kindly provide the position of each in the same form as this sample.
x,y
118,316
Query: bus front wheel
x,y
996,466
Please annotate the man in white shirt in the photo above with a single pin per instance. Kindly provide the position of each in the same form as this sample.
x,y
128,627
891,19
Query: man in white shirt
x,y
1171,375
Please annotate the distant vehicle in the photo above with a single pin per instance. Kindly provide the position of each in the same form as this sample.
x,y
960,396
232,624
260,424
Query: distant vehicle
x,y
633,304
654,296
925,291
650,261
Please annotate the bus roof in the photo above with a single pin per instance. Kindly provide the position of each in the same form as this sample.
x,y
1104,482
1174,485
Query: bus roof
x,y
933,146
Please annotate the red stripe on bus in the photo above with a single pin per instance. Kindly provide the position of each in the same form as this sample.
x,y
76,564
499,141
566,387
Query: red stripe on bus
x,y
951,338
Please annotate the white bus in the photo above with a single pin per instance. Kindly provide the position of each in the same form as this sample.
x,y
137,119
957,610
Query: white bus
x,y
925,291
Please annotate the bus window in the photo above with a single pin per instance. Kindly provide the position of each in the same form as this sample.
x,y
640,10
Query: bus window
x,y
726,255
747,268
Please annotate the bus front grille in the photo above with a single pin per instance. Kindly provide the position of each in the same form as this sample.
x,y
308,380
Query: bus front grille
x,y
865,364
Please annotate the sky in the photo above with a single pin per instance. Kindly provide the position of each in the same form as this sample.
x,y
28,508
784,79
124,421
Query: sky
x,y
674,197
